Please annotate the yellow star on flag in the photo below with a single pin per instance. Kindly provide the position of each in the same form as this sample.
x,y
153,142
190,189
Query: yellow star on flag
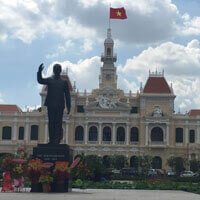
x,y
118,13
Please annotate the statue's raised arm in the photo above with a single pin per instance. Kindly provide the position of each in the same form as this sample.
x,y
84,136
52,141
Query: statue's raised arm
x,y
39,75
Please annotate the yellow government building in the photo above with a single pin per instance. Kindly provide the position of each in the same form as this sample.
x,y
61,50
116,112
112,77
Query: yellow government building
x,y
108,121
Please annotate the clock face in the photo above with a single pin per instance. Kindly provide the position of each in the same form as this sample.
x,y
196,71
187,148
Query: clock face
x,y
107,77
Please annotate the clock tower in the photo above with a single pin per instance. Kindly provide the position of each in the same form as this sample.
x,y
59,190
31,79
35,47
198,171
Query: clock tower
x,y
108,77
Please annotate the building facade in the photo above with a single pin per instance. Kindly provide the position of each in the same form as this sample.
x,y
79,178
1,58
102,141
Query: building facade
x,y
108,121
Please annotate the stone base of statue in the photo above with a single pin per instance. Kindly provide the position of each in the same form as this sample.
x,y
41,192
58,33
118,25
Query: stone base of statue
x,y
52,153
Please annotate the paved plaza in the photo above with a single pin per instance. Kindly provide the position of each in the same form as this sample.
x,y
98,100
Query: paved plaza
x,y
102,194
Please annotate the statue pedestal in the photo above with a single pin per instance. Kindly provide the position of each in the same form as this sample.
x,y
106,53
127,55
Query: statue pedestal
x,y
52,153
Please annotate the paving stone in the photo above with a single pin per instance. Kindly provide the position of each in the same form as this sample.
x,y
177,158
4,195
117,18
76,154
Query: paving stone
x,y
102,194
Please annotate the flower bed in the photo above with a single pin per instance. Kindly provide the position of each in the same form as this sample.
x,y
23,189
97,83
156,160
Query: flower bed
x,y
144,185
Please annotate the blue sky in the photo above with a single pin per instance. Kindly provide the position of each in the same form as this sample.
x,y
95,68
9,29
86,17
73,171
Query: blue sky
x,y
157,35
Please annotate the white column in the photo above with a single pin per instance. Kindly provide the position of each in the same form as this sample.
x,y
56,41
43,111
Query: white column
x,y
197,156
127,134
27,131
113,133
15,131
167,134
46,132
147,135
186,135
86,133
100,133
66,133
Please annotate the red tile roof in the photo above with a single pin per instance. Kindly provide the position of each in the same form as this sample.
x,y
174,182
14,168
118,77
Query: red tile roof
x,y
9,108
194,112
156,85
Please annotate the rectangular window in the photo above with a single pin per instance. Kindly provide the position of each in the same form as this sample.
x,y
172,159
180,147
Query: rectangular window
x,y
6,133
192,136
21,133
179,135
80,109
134,110
34,132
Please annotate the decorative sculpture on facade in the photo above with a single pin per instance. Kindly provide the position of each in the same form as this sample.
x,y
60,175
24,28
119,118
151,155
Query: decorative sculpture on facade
x,y
157,112
107,103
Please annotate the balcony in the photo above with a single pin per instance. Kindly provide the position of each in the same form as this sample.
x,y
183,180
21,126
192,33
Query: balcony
x,y
92,142
134,143
78,141
157,144
108,58
120,142
106,142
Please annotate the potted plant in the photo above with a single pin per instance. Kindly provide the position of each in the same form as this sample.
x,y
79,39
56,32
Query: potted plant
x,y
18,172
34,172
46,177
61,175
7,165
45,180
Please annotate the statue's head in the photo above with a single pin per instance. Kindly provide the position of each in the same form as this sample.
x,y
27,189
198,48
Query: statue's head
x,y
57,69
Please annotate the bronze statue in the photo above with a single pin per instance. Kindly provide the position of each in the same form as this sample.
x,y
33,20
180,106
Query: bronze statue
x,y
57,95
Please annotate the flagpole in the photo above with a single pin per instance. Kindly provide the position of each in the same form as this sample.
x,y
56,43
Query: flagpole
x,y
109,16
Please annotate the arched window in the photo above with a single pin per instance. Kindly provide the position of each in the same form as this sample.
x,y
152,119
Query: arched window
x,y
134,162
179,135
34,132
134,137
79,132
120,134
21,133
157,134
192,136
6,133
93,133
107,133
108,51
157,162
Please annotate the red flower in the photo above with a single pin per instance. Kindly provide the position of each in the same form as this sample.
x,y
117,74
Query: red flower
x,y
47,165
19,160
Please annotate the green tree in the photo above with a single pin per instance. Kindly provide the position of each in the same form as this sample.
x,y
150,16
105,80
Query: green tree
x,y
120,161
108,161
177,164
145,163
194,165
95,166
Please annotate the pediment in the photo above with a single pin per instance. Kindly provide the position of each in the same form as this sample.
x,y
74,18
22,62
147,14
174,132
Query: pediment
x,y
107,106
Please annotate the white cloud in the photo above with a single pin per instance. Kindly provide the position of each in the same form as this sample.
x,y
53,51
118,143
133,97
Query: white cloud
x,y
84,72
149,21
181,65
87,45
1,98
191,26
61,49
3,37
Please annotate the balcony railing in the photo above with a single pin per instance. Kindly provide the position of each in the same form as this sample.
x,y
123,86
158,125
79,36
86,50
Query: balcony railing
x,y
78,141
106,142
157,142
134,143
120,142
92,142
179,143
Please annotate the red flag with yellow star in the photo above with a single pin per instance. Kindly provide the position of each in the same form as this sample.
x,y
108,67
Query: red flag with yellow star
x,y
117,13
